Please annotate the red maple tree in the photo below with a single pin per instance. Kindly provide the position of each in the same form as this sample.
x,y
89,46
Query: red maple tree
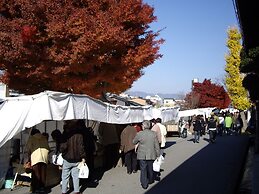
x,y
207,94
79,46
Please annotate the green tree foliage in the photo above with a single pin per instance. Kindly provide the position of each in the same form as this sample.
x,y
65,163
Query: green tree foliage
x,y
233,81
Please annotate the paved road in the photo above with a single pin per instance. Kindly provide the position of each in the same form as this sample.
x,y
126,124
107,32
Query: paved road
x,y
189,167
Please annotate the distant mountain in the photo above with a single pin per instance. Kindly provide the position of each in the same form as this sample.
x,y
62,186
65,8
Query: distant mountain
x,y
144,94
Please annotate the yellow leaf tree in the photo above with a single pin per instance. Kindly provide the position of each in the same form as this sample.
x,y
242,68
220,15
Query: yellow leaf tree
x,y
233,79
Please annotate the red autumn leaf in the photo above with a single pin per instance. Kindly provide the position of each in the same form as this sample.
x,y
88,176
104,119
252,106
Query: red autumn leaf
x,y
207,94
80,46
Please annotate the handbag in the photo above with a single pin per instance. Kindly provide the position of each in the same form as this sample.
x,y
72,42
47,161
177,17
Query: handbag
x,y
57,159
83,171
156,165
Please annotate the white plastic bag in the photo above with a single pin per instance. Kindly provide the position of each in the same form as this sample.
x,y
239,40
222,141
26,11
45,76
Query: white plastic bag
x,y
57,159
156,165
83,171
161,159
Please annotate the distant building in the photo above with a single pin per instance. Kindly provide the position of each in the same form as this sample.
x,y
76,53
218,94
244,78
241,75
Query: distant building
x,y
169,102
180,103
155,100
140,101
123,100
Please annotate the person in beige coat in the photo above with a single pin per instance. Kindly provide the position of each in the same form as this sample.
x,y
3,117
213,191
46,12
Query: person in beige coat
x,y
38,150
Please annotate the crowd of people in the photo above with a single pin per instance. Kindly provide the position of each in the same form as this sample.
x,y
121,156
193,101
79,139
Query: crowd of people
x,y
142,144
75,144
225,123
138,144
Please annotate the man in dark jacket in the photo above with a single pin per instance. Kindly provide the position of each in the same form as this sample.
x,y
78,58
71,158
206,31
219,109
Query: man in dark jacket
x,y
197,128
148,150
73,152
212,125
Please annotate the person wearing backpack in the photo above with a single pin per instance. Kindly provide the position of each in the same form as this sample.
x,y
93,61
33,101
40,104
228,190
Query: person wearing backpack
x,y
212,126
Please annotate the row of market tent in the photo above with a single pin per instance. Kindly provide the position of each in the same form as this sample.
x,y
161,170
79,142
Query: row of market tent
x,y
19,113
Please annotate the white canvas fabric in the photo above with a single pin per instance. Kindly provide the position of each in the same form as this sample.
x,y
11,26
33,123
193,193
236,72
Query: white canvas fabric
x,y
18,113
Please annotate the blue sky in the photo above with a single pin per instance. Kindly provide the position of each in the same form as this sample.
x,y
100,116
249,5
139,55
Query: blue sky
x,y
195,44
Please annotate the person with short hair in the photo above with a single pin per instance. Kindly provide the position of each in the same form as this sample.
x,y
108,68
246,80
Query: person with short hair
x,y
148,150
163,133
73,153
197,128
38,150
228,123
212,126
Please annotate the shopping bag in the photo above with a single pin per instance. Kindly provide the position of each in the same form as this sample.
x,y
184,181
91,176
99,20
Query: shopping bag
x,y
57,159
161,159
156,165
83,171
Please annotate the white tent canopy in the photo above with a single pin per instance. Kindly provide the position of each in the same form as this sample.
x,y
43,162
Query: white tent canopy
x,y
199,111
18,113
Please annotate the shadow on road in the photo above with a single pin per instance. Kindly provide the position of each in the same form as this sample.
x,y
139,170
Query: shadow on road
x,y
169,144
216,169
93,182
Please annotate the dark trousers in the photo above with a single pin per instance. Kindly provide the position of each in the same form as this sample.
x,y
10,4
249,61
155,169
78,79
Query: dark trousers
x,y
131,161
220,129
38,177
196,136
146,172
228,130
212,134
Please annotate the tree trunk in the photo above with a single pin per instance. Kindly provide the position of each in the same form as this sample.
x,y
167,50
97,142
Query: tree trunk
x,y
243,117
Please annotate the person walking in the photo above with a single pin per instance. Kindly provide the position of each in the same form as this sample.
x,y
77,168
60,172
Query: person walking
x,y
73,152
38,150
155,127
228,123
128,148
238,124
148,150
221,124
212,126
197,128
163,133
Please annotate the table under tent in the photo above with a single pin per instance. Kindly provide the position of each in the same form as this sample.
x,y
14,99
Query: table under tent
x,y
46,111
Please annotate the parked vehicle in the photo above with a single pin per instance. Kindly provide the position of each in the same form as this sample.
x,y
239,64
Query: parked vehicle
x,y
179,128
172,128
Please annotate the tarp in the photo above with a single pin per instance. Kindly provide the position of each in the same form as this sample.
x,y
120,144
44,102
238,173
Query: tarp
x,y
199,111
18,113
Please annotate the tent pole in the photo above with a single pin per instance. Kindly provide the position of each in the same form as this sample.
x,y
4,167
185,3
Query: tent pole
x,y
45,126
21,142
18,169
